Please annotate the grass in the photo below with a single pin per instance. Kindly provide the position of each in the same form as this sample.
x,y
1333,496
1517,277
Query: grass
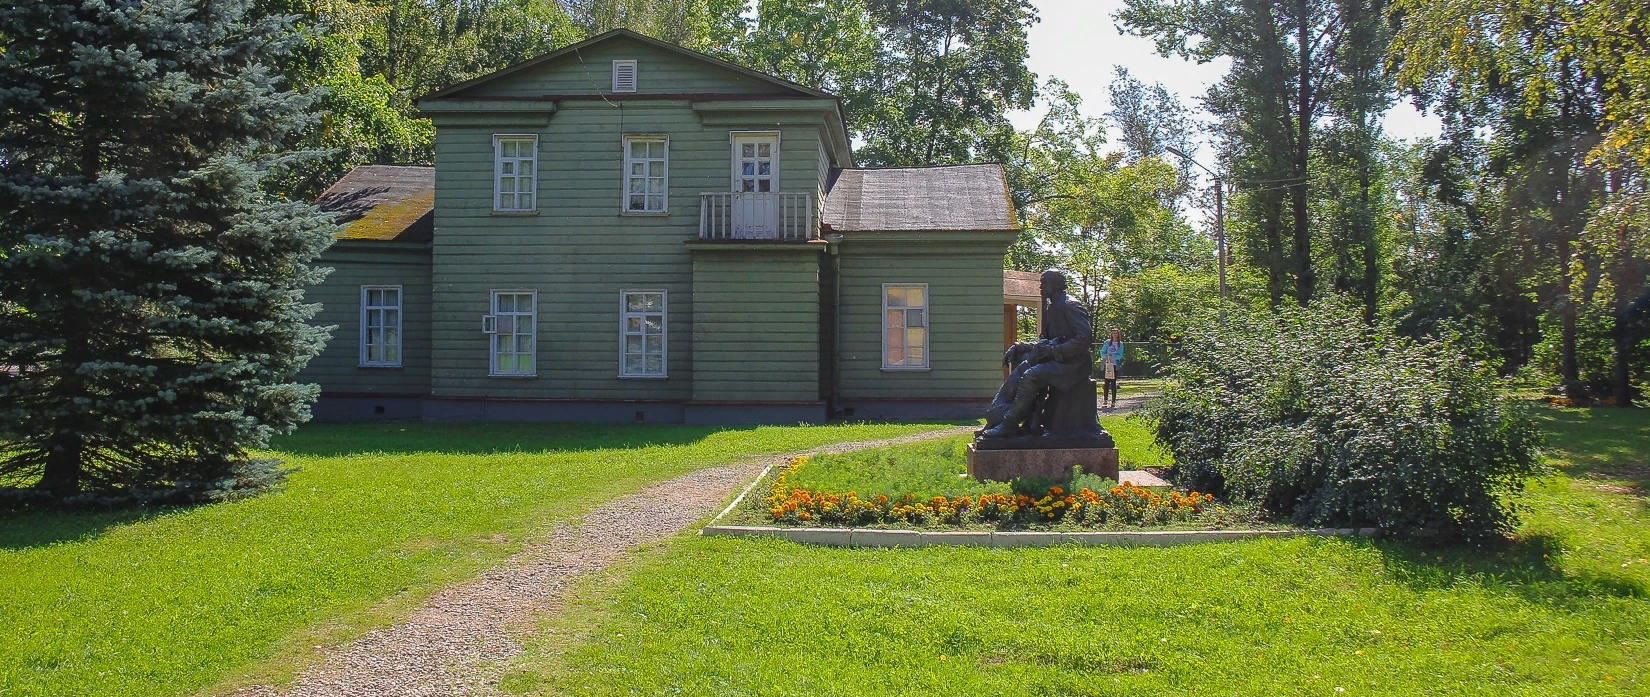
x,y
1562,609
936,468
167,602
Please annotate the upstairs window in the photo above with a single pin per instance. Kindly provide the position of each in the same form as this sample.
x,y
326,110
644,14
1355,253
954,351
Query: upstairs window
x,y
381,326
642,334
647,160
624,76
515,160
904,326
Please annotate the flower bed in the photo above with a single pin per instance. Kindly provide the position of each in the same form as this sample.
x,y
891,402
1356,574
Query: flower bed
x,y
1121,505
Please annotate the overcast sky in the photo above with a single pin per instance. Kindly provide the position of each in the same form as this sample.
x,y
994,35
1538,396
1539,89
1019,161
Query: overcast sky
x,y
1077,41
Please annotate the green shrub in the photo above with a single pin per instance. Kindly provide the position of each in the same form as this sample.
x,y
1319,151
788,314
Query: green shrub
x,y
1322,419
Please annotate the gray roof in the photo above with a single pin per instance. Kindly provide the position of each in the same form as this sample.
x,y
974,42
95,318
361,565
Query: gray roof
x,y
954,197
383,202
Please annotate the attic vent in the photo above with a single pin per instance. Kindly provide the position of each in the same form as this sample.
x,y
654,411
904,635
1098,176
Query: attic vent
x,y
624,76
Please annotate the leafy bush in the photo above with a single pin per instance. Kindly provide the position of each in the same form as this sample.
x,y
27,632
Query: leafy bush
x,y
1322,419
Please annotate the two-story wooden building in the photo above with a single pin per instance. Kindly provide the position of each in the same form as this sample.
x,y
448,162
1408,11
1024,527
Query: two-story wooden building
x,y
625,230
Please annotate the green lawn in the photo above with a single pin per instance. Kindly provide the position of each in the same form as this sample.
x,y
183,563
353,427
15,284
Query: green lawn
x,y
168,602
1562,610
936,468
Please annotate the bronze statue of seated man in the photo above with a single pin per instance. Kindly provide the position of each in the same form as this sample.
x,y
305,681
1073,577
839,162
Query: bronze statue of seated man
x,y
1049,378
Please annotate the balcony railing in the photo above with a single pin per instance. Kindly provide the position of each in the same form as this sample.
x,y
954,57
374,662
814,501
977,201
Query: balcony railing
x,y
757,216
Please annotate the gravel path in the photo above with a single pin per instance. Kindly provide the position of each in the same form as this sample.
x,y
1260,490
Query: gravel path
x,y
453,643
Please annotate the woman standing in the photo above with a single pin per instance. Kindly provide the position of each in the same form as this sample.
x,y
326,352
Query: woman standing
x,y
1111,361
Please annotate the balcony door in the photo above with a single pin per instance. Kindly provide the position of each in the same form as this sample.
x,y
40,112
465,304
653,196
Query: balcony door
x,y
756,186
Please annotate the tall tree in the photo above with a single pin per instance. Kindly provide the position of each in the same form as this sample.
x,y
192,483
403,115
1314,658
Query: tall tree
x,y
711,26
1285,59
1561,85
151,312
1149,119
949,73
830,45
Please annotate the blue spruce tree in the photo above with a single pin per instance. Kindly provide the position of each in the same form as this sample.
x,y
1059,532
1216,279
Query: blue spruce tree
x,y
152,321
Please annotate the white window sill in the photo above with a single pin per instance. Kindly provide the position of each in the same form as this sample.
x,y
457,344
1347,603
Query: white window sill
x,y
645,214
380,365
516,214
644,377
512,376
906,368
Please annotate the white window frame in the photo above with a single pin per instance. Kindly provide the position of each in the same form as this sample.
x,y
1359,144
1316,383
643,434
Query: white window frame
x,y
927,326
737,138
490,324
635,74
647,164
664,333
499,161
366,314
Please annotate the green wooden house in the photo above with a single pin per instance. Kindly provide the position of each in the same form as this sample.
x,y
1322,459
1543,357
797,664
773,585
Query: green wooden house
x,y
625,230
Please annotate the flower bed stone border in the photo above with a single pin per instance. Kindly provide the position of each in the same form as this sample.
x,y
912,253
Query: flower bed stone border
x,y
862,537
859,537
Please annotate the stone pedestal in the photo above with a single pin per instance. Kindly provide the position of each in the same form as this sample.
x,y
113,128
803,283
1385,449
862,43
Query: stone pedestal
x,y
1049,463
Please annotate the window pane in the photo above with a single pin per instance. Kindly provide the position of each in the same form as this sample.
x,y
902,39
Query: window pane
x,y
525,363
654,301
915,356
916,296
526,168
915,318
524,343
655,365
762,149
747,150
392,317
764,185
654,344
656,203
896,319
896,297
748,185
765,169
392,337
392,354
633,325
896,355
507,363
914,337
525,200
524,323
895,338
655,325
504,302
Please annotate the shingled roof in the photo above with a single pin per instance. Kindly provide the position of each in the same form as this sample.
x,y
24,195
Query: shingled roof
x,y
1026,285
955,197
383,202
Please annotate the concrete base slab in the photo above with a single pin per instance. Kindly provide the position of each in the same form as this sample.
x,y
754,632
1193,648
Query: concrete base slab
x,y
1004,465
1140,478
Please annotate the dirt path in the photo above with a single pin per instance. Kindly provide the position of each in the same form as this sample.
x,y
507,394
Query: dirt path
x,y
446,646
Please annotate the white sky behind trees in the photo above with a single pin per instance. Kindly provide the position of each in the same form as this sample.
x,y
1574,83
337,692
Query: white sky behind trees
x,y
1078,42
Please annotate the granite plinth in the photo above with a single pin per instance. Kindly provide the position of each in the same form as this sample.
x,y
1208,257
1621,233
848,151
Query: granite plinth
x,y
1049,463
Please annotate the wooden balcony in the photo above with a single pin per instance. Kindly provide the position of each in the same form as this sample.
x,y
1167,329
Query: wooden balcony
x,y
758,216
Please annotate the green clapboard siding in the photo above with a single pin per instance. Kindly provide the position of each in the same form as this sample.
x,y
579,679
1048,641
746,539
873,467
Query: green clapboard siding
x,y
755,325
358,263
590,72
578,251
965,313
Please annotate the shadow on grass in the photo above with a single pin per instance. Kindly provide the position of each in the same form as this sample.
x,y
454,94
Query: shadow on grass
x,y
1601,442
1527,567
27,529
483,438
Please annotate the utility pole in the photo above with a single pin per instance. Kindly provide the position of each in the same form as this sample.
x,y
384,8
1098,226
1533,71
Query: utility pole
x,y
1220,216
1220,233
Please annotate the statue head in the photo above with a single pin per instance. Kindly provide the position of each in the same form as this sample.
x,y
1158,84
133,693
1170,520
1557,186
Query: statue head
x,y
1054,284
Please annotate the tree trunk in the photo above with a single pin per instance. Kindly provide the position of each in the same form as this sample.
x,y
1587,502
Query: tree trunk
x,y
1305,281
1629,282
62,476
